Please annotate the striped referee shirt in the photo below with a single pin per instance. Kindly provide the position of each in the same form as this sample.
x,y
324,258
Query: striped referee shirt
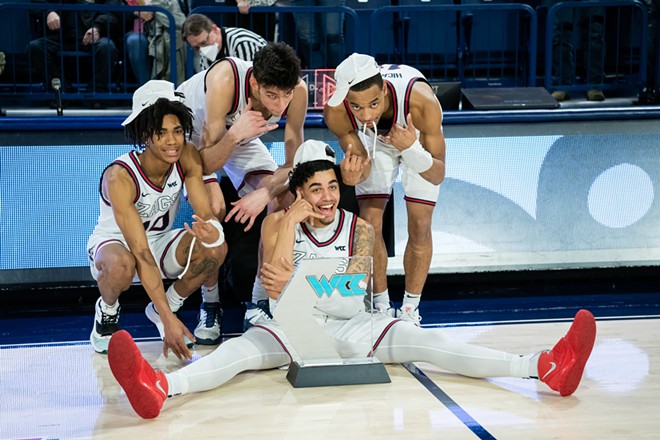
x,y
238,43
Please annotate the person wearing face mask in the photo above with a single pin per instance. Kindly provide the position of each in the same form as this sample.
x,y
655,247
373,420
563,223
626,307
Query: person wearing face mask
x,y
212,42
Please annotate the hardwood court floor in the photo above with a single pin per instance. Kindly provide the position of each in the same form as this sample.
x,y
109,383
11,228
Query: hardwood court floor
x,y
66,391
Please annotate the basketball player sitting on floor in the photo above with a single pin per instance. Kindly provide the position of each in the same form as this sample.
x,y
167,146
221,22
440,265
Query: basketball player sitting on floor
x,y
312,223
134,239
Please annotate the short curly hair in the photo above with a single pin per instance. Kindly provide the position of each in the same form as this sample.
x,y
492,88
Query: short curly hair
x,y
150,121
304,171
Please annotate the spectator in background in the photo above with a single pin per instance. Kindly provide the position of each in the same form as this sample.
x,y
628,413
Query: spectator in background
x,y
89,31
148,44
262,24
650,94
320,35
212,43
591,22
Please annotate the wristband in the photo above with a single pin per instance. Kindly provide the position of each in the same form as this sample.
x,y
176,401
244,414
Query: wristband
x,y
221,239
417,158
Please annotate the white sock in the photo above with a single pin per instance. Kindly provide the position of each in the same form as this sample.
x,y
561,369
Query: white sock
x,y
411,298
174,300
210,294
382,298
534,364
258,291
109,310
524,366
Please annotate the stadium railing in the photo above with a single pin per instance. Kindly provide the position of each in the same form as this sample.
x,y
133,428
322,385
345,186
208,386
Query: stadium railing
x,y
626,40
475,42
18,82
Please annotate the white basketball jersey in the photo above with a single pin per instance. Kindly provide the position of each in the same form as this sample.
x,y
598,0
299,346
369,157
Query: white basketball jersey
x,y
334,240
399,80
156,205
194,91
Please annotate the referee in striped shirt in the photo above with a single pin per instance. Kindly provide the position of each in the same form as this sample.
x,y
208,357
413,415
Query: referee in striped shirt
x,y
212,42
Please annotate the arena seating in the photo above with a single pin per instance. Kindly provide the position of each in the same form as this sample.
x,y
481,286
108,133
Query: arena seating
x,y
478,43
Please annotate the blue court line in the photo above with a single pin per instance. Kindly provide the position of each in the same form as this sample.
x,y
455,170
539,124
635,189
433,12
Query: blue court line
x,y
452,406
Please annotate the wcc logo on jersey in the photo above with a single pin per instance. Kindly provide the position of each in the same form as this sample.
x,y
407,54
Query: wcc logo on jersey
x,y
353,284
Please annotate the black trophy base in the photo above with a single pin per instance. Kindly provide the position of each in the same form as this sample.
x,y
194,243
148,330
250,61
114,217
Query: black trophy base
x,y
332,375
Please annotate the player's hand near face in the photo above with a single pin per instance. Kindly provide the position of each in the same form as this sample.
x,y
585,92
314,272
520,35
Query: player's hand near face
x,y
301,210
248,208
250,124
352,167
399,137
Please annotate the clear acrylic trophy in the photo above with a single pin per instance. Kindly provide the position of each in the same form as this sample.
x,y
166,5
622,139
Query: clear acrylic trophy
x,y
339,289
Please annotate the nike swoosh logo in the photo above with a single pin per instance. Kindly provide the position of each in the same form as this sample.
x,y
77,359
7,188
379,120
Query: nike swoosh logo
x,y
553,366
160,388
144,103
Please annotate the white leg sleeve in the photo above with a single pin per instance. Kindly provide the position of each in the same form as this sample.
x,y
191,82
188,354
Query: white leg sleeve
x,y
409,343
255,350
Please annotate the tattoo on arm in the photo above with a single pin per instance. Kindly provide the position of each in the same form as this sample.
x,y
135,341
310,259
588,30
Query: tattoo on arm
x,y
363,245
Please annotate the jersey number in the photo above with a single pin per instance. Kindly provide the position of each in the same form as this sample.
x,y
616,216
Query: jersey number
x,y
160,224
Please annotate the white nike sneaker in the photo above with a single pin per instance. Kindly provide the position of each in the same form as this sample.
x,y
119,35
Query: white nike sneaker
x,y
255,314
385,309
104,327
409,313
208,330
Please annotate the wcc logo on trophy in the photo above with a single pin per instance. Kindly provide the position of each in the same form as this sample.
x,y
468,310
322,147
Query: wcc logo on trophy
x,y
353,284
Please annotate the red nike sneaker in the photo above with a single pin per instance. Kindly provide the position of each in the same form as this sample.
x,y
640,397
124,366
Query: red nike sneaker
x,y
145,387
561,368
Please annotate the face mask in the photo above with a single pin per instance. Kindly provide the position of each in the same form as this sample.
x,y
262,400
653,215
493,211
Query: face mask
x,y
210,52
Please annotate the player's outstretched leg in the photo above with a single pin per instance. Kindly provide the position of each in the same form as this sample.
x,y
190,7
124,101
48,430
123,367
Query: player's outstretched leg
x,y
561,368
145,387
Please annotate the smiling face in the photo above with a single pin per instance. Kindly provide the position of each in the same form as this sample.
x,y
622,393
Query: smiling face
x,y
166,144
368,105
322,192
